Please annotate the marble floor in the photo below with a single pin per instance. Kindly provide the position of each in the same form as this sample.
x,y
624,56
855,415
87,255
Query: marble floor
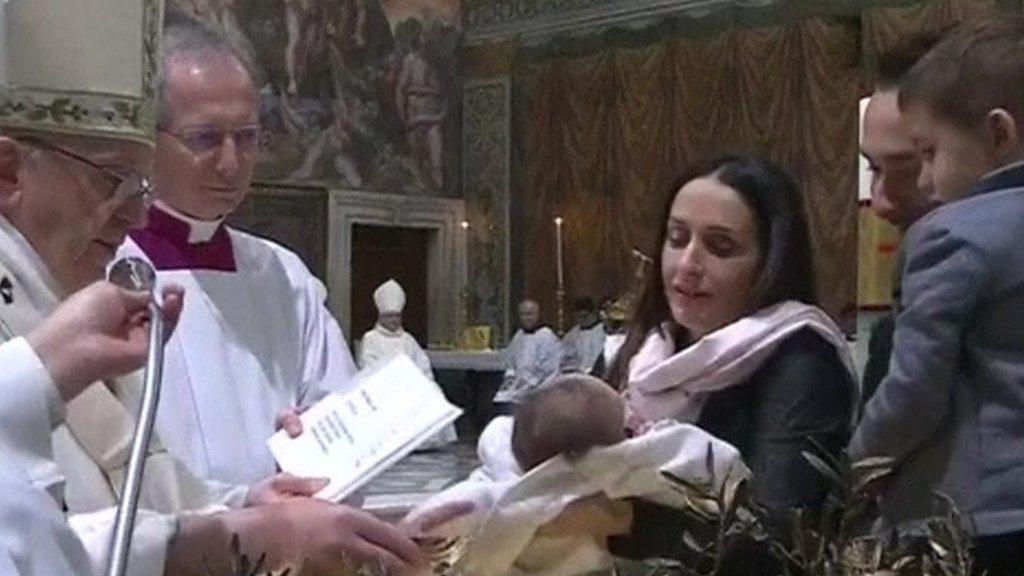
x,y
417,476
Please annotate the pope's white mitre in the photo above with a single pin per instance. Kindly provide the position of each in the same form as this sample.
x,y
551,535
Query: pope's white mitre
x,y
79,67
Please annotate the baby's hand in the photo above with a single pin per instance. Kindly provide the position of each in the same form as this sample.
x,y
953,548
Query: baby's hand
x,y
420,525
636,423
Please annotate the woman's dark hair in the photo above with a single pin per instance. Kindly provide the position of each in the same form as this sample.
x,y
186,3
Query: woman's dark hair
x,y
787,271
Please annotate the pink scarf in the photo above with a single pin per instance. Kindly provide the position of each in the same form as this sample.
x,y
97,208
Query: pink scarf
x,y
664,383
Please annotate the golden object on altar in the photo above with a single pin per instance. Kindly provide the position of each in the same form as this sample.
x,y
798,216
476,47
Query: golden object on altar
x,y
475,338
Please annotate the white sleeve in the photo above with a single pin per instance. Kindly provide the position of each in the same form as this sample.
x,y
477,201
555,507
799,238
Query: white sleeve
x,y
168,486
328,362
34,536
30,409
150,539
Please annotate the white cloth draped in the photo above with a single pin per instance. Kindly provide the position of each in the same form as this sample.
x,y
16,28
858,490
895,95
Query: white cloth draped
x,y
249,344
510,508
664,383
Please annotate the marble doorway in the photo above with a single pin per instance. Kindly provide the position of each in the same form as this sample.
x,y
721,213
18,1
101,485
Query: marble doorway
x,y
440,221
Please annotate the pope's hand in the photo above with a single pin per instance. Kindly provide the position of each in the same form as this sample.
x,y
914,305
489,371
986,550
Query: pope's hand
x,y
281,487
100,332
321,537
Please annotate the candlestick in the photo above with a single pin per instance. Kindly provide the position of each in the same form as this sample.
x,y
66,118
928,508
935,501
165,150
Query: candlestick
x,y
558,250
560,292
464,293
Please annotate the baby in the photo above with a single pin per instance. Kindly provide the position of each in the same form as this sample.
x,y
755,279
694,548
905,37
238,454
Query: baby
x,y
539,515
568,415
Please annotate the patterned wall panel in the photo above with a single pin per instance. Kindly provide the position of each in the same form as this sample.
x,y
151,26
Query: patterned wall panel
x,y
486,157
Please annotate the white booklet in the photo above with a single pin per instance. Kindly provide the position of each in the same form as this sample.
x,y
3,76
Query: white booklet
x,y
352,437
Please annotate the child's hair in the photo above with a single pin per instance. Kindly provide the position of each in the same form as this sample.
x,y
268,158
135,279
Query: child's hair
x,y
893,64
977,68
568,415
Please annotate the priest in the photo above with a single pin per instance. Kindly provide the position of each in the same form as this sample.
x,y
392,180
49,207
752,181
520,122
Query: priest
x,y
532,357
76,137
256,342
387,338
613,322
584,343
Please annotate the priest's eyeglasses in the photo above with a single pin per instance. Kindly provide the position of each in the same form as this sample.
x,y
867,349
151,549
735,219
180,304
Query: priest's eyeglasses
x,y
125,184
204,140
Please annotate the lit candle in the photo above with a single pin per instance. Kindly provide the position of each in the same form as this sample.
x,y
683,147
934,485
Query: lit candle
x,y
558,250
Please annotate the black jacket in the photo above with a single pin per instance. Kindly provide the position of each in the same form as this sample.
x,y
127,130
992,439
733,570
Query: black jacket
x,y
803,391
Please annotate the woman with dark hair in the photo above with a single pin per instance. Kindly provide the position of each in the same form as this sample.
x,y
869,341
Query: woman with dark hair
x,y
726,336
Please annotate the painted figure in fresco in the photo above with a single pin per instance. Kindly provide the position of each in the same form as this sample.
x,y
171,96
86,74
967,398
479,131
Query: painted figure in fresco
x,y
301,18
421,109
314,24
222,14
336,143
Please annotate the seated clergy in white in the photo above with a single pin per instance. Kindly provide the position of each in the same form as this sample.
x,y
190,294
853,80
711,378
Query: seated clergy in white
x,y
388,339
584,343
255,340
532,356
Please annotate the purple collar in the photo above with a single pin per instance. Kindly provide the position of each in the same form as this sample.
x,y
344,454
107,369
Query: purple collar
x,y
165,242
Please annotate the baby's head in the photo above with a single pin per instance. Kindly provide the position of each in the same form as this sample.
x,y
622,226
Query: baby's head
x,y
568,415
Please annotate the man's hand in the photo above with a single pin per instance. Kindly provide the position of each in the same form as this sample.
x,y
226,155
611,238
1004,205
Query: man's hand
x,y
99,332
289,420
281,487
321,537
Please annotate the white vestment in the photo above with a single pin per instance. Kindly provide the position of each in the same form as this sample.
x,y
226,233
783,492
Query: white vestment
x,y
504,532
34,534
380,345
581,348
530,359
91,448
250,343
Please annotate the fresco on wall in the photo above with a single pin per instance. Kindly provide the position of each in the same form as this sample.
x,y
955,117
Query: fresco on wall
x,y
359,94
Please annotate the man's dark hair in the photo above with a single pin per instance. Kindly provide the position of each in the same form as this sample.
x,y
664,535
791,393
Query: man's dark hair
x,y
584,304
975,69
